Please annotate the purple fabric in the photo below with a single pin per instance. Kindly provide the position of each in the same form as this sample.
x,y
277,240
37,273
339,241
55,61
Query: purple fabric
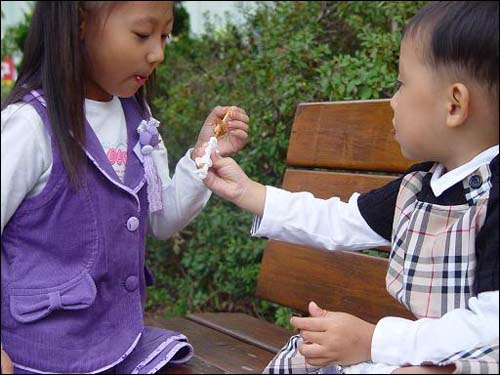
x,y
173,348
74,288
149,139
76,296
155,349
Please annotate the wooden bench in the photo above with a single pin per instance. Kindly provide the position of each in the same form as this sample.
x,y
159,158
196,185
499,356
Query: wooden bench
x,y
335,149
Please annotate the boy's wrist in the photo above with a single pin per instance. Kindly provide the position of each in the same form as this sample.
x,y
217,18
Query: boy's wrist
x,y
252,198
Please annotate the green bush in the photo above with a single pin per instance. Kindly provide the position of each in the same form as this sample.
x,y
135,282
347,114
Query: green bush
x,y
284,53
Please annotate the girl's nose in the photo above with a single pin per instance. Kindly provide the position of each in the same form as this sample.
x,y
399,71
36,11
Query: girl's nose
x,y
156,55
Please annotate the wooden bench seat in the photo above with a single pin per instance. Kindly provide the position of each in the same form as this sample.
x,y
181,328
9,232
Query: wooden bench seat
x,y
335,149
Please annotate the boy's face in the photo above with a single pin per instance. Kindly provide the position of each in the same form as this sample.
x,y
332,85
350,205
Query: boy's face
x,y
126,47
419,111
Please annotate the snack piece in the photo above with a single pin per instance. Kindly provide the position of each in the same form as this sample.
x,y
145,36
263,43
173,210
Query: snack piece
x,y
220,127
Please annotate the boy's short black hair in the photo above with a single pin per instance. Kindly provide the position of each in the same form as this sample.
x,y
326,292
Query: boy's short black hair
x,y
461,36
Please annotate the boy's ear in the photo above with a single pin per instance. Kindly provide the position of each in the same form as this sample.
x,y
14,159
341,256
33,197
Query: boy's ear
x,y
458,105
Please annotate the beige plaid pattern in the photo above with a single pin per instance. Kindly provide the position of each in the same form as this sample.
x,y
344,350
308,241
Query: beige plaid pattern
x,y
433,261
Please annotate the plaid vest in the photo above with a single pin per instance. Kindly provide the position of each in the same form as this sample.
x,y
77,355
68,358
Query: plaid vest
x,y
433,258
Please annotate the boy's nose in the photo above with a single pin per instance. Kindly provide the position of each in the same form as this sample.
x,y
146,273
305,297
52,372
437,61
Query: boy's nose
x,y
393,101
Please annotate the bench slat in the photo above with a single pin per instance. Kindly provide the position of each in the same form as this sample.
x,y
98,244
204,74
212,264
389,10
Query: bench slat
x,y
345,135
216,349
245,327
293,275
332,184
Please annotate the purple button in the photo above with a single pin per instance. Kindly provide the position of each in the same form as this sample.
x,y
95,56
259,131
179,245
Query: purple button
x,y
131,283
132,223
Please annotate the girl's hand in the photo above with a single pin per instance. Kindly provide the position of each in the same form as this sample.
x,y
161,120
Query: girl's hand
x,y
334,337
236,137
227,180
7,367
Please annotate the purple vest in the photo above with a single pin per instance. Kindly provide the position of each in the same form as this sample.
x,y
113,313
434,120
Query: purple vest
x,y
73,294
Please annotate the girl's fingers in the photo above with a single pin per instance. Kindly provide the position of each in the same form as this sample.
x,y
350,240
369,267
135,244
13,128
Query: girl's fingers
x,y
233,125
239,134
239,116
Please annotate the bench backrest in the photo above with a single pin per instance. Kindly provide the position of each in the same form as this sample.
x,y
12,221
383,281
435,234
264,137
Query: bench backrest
x,y
334,150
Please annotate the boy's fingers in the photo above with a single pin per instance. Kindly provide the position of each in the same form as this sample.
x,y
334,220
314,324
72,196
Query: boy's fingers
x,y
312,337
220,162
309,324
311,350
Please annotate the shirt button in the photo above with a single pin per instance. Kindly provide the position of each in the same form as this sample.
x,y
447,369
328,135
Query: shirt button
x,y
131,283
132,223
475,181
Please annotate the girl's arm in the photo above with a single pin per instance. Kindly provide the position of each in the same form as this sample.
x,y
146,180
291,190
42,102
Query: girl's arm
x,y
183,195
26,159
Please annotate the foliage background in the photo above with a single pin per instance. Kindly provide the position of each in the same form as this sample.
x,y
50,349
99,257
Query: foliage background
x,y
284,53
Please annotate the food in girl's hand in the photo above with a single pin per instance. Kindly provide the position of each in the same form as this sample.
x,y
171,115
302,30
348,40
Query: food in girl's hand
x,y
220,126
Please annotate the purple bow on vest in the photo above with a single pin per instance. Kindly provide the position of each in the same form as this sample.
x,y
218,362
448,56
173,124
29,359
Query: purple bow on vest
x,y
149,139
75,296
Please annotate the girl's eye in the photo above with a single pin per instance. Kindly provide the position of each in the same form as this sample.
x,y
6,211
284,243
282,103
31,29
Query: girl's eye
x,y
142,36
398,85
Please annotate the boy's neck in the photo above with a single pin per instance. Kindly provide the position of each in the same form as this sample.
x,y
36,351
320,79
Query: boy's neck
x,y
460,158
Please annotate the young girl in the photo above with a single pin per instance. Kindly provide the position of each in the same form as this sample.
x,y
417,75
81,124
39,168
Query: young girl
x,y
84,179
441,217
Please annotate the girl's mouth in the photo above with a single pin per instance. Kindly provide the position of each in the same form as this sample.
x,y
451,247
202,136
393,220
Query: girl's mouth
x,y
140,79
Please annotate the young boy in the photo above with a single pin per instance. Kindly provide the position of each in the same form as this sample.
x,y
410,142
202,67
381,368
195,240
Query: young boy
x,y
441,217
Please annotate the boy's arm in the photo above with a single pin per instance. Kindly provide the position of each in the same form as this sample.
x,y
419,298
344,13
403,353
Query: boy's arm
x,y
303,219
401,341
298,218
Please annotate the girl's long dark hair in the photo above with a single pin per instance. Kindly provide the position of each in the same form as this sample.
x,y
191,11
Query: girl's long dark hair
x,y
54,60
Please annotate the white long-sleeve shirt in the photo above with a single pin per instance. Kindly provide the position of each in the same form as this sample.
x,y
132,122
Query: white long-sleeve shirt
x,y
331,224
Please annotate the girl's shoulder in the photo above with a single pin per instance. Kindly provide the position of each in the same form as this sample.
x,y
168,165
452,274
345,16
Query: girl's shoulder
x,y
21,115
23,127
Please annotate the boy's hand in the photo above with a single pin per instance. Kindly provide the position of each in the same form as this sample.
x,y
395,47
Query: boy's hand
x,y
227,180
7,367
237,135
450,369
334,337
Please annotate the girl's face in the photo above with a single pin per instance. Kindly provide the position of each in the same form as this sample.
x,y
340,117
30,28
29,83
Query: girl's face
x,y
125,46
419,109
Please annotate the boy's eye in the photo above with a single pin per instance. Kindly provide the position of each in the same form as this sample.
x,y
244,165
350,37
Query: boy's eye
x,y
398,85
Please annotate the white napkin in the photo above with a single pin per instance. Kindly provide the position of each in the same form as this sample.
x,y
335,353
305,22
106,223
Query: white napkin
x,y
204,162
